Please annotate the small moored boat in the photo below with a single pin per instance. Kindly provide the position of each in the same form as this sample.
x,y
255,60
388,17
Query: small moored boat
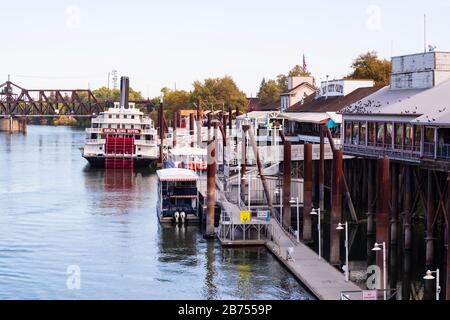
x,y
178,196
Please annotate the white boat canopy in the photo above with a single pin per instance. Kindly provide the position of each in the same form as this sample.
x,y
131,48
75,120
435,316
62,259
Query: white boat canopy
x,y
176,174
188,151
312,117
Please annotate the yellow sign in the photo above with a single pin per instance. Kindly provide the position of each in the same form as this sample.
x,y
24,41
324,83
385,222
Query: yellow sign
x,y
246,216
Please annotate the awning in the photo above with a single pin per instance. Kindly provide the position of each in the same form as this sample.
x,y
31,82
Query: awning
x,y
176,174
312,117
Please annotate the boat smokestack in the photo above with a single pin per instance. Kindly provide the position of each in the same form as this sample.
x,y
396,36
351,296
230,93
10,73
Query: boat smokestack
x,y
124,92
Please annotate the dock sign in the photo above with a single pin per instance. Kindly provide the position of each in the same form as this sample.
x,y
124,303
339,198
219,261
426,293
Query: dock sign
x,y
370,295
245,216
264,214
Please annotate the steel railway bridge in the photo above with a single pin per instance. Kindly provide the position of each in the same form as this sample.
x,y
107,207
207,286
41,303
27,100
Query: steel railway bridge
x,y
16,101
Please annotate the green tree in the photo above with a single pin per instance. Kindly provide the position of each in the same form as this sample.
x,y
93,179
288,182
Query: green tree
x,y
220,91
369,66
104,93
175,100
269,92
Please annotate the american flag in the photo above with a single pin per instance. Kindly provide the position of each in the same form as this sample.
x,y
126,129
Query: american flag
x,y
304,63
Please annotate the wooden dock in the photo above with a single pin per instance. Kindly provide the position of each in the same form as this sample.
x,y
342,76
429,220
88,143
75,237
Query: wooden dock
x,y
321,278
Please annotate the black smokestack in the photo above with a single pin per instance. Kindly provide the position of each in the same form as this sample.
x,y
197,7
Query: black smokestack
x,y
124,91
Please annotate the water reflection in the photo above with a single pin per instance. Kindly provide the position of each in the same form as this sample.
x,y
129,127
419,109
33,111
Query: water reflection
x,y
57,212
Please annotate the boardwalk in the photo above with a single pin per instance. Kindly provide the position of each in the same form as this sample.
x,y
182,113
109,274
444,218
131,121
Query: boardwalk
x,y
321,278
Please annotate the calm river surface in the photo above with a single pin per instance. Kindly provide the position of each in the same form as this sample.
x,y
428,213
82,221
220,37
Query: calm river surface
x,y
55,212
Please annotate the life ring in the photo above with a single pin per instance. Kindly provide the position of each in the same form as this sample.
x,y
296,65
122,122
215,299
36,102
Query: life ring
x,y
202,165
190,165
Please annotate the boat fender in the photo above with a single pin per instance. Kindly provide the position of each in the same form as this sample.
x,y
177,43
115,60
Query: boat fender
x,y
183,216
176,216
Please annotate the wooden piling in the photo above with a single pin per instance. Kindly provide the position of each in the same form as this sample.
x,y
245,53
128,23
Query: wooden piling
x,y
199,123
393,264
174,127
370,212
407,235
336,209
382,216
307,192
322,170
447,238
429,235
191,128
211,187
287,184
161,133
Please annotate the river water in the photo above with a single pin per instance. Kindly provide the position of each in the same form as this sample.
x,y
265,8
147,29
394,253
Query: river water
x,y
70,232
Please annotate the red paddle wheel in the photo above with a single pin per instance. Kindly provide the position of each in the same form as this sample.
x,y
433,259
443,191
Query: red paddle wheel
x,y
119,152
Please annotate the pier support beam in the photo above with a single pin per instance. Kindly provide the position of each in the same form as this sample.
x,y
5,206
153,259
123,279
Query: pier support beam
x,y
174,127
447,240
161,133
393,263
407,235
336,208
209,126
199,123
322,170
287,220
191,128
307,192
13,125
211,187
371,182
429,289
383,200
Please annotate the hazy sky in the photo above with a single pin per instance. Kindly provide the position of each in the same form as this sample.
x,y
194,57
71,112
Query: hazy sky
x,y
71,44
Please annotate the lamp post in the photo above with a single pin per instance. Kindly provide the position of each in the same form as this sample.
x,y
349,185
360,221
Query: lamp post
x,y
382,247
345,227
280,192
295,201
239,185
429,276
316,212
250,178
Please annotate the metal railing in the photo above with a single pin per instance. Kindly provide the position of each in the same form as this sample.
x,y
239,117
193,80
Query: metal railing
x,y
411,153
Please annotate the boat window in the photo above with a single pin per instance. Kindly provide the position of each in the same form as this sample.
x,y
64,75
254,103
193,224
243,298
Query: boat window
x,y
109,126
118,126
117,116
132,126
95,125
125,116
132,117
110,116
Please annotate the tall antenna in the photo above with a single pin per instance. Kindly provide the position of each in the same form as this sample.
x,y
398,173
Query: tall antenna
x,y
114,78
424,33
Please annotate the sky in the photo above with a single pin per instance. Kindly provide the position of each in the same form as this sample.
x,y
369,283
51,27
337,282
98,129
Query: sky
x,y
171,43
